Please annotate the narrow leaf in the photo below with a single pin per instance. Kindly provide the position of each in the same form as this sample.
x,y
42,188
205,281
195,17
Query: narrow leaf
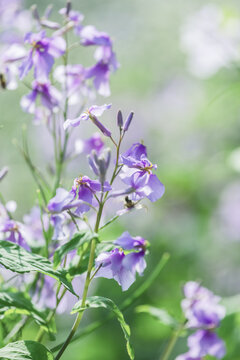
x,y
17,259
160,314
77,241
25,350
102,302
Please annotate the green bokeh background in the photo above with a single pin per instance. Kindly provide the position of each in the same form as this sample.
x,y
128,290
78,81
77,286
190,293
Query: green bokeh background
x,y
190,126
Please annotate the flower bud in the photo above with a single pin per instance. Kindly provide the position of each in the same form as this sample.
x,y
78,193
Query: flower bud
x,y
35,13
120,119
101,127
48,11
3,172
128,121
92,165
68,7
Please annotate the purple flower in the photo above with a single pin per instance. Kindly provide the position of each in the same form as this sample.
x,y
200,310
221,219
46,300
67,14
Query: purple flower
x,y
127,242
91,36
42,54
95,142
73,78
137,173
80,196
206,342
48,94
201,307
120,267
61,201
8,65
85,189
35,222
92,113
15,232
44,294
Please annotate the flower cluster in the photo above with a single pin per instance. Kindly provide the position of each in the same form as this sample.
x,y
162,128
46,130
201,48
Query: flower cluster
x,y
204,313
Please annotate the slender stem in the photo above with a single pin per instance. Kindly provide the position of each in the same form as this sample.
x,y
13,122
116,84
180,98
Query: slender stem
x,y
86,286
172,343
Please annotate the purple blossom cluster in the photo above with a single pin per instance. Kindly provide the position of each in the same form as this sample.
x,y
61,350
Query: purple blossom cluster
x,y
204,313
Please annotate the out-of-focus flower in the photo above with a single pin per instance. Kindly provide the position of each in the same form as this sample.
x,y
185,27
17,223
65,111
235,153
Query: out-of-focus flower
x,y
92,113
106,59
137,173
95,142
99,163
201,307
73,80
15,232
203,312
120,267
8,65
35,221
42,54
211,40
206,342
49,97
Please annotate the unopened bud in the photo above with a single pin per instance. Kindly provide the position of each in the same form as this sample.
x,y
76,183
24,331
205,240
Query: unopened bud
x,y
120,119
3,172
48,11
101,127
107,155
35,13
68,7
128,121
92,165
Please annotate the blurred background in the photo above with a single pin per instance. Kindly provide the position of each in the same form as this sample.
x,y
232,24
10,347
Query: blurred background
x,y
180,74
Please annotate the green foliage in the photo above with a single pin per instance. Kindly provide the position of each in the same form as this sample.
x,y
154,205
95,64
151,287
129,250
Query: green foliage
x,y
102,302
18,303
17,259
77,241
160,314
25,350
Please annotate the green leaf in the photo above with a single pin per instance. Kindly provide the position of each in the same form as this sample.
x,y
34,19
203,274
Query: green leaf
x,y
25,350
17,259
76,269
231,304
78,240
159,314
102,302
19,303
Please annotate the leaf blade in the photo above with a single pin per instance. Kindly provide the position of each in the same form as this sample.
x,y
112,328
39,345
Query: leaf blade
x,y
102,302
17,259
25,350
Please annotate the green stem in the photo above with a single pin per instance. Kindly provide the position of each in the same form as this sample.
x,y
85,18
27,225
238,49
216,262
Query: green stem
x,y
172,343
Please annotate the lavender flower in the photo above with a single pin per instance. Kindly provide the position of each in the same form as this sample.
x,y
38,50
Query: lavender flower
x,y
15,232
92,113
35,222
206,342
48,94
73,78
201,307
91,36
80,196
41,56
203,312
120,267
137,172
8,65
95,143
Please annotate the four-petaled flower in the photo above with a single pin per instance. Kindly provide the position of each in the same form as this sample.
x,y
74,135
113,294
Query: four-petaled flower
x,y
42,54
